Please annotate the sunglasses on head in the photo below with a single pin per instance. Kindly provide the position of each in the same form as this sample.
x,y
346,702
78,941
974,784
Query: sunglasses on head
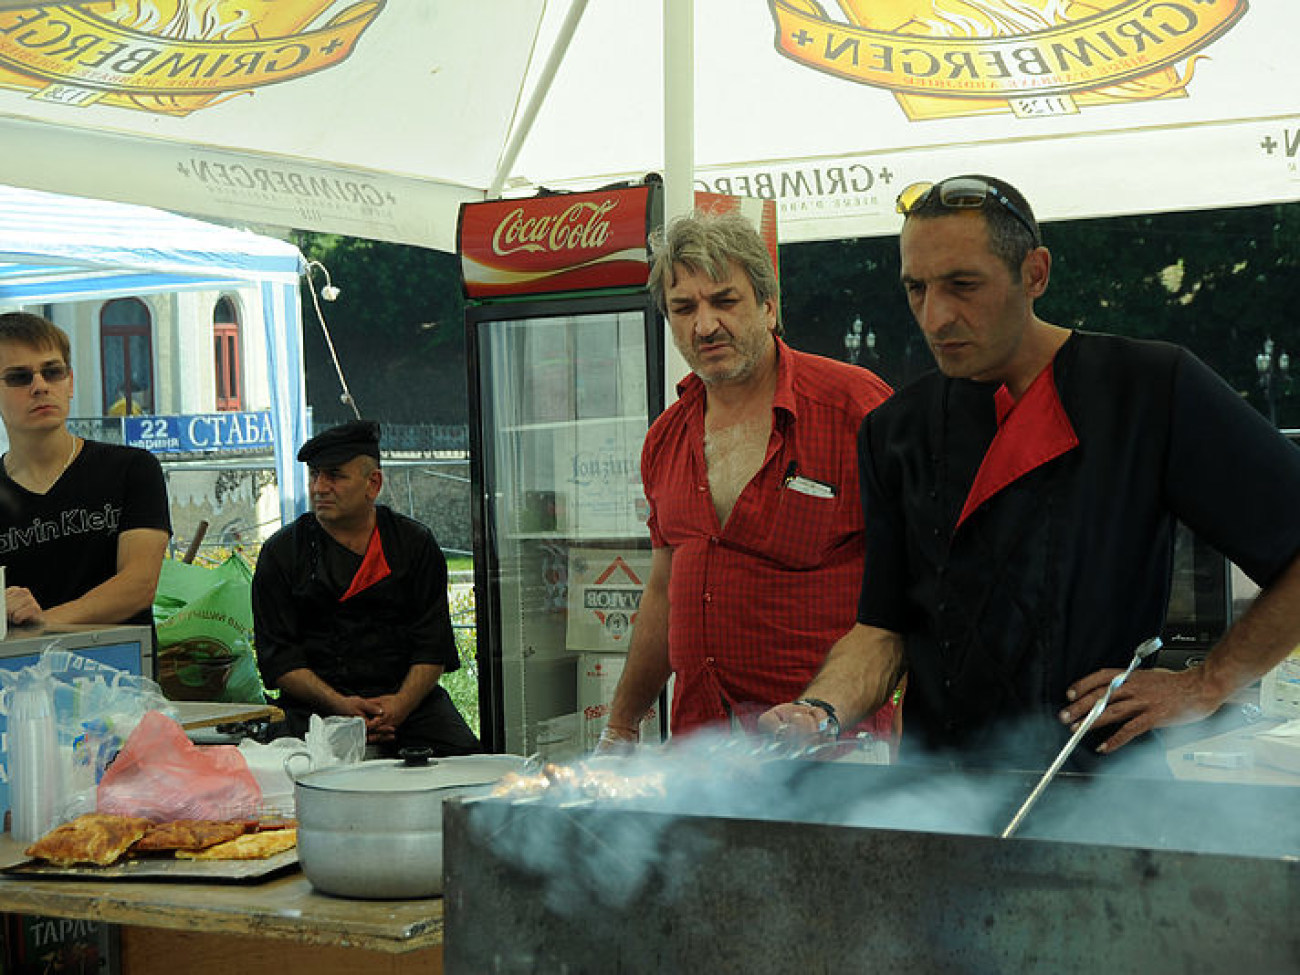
x,y
55,372
960,193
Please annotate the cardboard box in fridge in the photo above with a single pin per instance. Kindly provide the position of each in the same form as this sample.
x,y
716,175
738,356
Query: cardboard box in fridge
x,y
598,675
604,594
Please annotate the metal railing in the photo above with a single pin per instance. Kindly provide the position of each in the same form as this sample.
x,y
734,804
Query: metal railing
x,y
107,429
412,452
424,438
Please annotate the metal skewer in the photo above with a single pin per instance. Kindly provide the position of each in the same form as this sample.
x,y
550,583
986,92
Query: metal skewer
x,y
1144,650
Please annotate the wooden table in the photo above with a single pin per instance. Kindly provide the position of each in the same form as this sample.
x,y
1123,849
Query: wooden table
x,y
278,927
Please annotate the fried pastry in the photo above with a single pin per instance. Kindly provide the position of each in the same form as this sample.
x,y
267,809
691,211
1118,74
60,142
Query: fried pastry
x,y
98,838
189,834
250,846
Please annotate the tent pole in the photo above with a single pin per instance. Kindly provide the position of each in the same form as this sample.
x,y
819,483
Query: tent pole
x,y
525,126
679,143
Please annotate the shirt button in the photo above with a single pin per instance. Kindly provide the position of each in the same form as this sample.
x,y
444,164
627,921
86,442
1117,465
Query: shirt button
x,y
943,607
708,597
701,487
713,539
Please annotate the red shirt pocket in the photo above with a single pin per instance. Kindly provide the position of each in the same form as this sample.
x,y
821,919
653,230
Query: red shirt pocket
x,y
803,530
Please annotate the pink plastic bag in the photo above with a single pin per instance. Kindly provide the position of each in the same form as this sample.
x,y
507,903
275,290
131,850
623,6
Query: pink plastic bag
x,y
162,775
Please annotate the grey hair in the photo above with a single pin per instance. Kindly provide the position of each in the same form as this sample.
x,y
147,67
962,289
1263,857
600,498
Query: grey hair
x,y
707,242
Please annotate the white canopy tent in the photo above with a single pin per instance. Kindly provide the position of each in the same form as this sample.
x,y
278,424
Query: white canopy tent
x,y
57,249
377,119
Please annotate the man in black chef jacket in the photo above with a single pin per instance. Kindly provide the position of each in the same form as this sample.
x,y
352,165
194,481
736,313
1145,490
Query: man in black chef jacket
x,y
350,607
1020,504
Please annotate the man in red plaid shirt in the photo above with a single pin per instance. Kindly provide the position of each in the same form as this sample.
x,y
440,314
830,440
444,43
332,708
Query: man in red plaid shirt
x,y
753,488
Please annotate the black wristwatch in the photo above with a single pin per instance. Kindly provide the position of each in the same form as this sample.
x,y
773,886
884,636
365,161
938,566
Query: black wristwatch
x,y
832,719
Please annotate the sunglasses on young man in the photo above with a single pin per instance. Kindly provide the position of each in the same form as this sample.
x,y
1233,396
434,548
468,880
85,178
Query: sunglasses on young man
x,y
55,372
961,193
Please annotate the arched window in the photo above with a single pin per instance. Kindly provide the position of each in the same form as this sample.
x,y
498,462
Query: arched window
x,y
225,347
126,357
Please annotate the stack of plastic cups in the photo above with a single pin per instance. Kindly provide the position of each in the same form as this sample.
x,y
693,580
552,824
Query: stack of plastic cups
x,y
35,772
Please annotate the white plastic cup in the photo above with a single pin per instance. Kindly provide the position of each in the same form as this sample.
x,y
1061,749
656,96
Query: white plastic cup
x,y
35,772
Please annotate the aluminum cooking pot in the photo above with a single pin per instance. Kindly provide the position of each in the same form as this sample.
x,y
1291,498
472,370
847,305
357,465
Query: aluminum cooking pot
x,y
374,829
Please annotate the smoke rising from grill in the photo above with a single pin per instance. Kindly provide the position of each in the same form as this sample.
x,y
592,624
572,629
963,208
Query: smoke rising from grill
x,y
589,861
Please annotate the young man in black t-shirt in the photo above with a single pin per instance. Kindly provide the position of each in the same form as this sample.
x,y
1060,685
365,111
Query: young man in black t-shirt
x,y
83,525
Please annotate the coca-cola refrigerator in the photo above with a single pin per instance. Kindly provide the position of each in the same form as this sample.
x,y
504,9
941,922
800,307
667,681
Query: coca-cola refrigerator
x,y
565,357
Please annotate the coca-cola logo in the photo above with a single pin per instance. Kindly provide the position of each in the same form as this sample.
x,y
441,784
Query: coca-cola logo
x,y
582,226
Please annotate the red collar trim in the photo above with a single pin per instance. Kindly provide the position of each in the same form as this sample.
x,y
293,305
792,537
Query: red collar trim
x,y
374,567
783,396
1031,431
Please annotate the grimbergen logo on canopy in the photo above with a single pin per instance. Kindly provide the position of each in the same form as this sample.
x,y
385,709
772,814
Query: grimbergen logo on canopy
x,y
948,58
172,57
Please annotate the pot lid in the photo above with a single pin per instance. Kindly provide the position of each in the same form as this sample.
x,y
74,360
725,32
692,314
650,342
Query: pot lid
x,y
395,775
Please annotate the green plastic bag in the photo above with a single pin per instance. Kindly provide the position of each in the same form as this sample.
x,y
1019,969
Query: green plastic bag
x,y
204,619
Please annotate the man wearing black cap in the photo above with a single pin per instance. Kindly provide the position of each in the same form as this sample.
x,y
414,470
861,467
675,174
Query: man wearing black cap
x,y
350,607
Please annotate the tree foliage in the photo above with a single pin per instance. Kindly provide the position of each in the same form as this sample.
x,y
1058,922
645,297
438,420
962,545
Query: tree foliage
x,y
1220,282
397,328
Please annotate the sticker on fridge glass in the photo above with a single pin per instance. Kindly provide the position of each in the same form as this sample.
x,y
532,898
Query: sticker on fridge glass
x,y
605,595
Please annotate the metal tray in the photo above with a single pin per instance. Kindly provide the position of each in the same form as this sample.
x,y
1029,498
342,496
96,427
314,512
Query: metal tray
x,y
164,869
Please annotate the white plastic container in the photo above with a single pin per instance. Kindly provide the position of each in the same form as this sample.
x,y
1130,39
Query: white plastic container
x,y
36,782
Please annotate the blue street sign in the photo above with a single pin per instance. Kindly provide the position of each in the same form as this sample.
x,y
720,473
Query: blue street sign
x,y
200,433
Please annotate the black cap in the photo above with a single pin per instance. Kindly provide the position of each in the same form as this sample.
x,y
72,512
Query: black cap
x,y
340,444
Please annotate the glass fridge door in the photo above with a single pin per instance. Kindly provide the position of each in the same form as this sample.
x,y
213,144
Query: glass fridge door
x,y
564,407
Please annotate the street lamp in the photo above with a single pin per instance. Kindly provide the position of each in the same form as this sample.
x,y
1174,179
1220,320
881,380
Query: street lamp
x,y
853,340
1274,367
